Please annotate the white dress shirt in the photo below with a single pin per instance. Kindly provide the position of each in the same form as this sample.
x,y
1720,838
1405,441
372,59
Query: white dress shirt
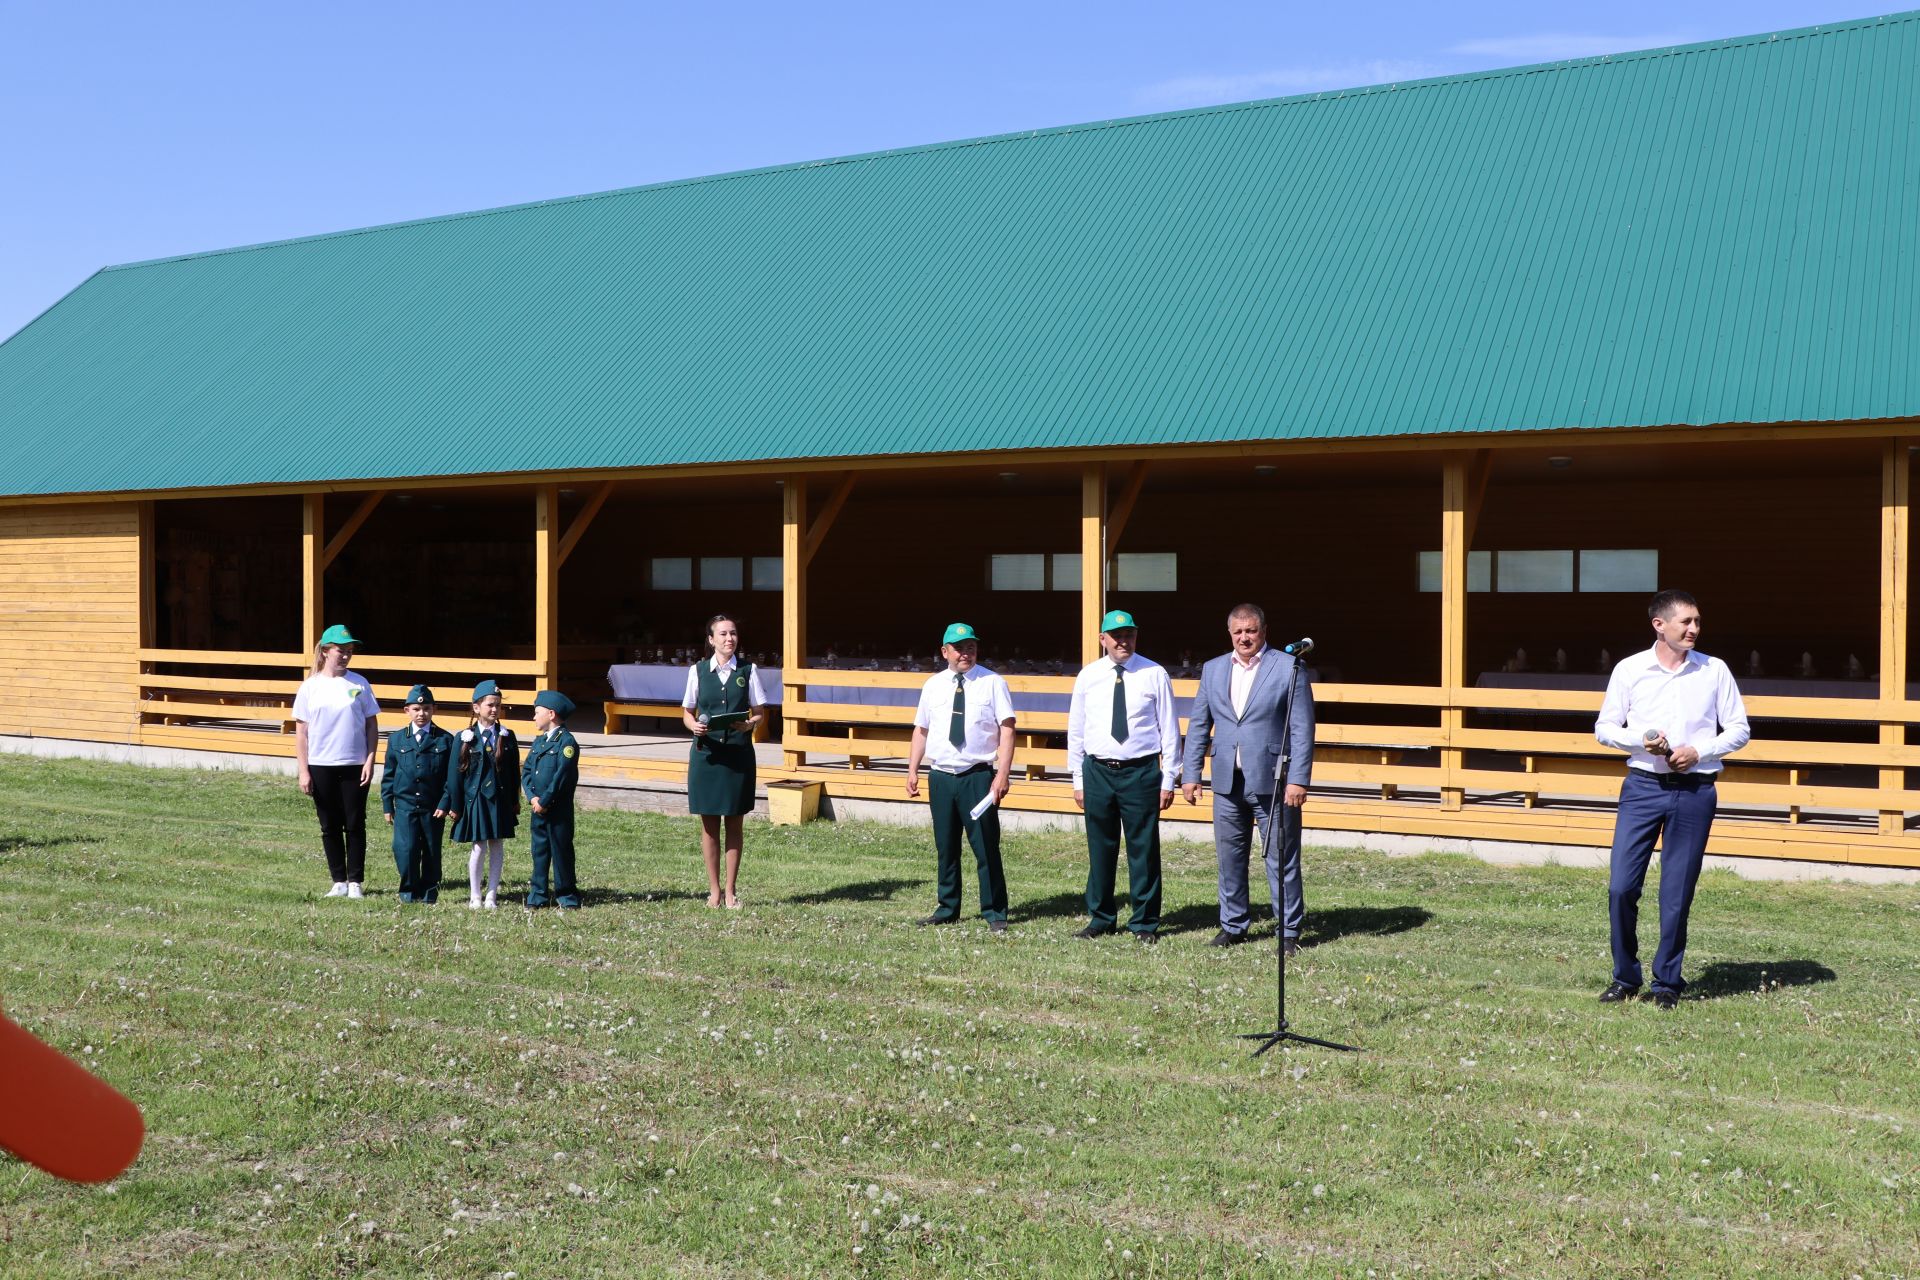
x,y
989,705
691,698
1696,706
1152,729
1240,678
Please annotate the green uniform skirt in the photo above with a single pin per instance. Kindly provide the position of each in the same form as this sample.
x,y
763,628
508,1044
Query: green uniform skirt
x,y
720,777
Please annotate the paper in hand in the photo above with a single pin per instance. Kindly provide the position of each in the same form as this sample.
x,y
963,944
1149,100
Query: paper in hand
x,y
986,803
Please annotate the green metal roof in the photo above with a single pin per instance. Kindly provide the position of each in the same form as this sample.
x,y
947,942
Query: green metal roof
x,y
1722,232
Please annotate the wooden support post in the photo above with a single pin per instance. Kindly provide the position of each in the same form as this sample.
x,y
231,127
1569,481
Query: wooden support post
x,y
359,517
1453,623
546,583
313,570
817,531
149,583
793,611
1895,478
1093,557
1479,472
578,528
1122,508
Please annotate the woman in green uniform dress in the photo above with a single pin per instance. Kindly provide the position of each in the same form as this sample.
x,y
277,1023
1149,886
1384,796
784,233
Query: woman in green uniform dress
x,y
720,765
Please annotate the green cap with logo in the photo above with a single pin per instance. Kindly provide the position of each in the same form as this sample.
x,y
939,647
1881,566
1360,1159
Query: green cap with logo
x,y
419,694
1118,620
956,632
337,634
555,701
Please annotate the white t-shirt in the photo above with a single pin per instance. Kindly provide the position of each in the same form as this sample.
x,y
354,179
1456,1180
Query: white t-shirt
x,y
336,710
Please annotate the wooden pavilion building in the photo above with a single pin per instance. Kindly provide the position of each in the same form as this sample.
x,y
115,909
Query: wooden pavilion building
x,y
1449,374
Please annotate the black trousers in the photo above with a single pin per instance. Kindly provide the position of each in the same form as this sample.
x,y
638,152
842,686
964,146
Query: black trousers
x,y
340,798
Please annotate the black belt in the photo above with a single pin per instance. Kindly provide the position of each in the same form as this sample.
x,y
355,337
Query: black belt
x,y
1117,765
966,772
1682,781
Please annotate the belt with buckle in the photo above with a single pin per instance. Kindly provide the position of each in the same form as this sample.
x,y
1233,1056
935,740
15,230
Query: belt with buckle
x,y
1122,764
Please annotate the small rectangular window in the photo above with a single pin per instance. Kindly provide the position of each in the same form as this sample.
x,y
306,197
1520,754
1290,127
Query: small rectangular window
x,y
1536,571
1017,573
1146,571
1619,570
670,573
720,573
1066,571
1479,570
767,574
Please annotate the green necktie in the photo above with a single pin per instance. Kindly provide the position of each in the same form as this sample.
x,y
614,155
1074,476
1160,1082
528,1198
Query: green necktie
x,y
957,731
1119,704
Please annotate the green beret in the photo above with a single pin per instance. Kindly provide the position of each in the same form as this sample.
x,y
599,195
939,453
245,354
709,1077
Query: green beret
x,y
555,701
1117,620
486,689
956,632
419,693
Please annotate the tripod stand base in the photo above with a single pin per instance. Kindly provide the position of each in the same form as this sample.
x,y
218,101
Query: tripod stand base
x,y
1272,1038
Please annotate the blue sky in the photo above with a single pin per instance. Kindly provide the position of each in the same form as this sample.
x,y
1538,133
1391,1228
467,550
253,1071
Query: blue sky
x,y
140,130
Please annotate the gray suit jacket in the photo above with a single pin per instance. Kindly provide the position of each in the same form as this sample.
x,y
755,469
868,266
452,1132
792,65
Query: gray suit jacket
x,y
1256,733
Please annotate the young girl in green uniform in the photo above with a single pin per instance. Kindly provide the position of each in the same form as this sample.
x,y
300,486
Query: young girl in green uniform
x,y
487,791
720,765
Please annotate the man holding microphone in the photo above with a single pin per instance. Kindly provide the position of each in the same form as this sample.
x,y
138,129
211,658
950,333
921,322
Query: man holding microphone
x,y
1678,715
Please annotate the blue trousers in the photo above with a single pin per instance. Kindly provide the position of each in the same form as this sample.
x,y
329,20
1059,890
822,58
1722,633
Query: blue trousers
x,y
1236,817
1678,815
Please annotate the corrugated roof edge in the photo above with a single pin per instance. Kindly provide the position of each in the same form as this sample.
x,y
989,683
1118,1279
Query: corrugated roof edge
x,y
1464,77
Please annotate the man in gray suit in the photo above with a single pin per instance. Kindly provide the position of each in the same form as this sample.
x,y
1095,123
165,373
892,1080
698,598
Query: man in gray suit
x,y
1240,711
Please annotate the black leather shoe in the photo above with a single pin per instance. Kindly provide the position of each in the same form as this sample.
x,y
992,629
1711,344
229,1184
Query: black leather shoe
x,y
1146,939
1092,931
937,920
998,926
1226,939
1617,993
1289,947
1665,999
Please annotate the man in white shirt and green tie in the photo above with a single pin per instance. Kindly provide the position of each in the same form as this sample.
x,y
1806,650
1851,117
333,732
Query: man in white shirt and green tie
x,y
963,729
1123,745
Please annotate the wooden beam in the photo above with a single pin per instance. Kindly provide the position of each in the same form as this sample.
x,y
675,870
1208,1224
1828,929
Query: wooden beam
x,y
149,582
1895,493
793,612
1479,472
546,580
1093,557
313,569
1122,509
1453,621
817,531
351,527
578,528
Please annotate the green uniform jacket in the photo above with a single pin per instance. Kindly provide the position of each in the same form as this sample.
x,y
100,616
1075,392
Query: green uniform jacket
x,y
418,774
551,771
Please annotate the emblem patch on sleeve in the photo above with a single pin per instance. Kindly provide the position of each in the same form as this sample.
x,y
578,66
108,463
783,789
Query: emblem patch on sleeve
x,y
567,752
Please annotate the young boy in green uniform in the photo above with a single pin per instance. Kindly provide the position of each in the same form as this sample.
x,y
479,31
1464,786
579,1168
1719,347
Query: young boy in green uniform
x,y
552,770
416,794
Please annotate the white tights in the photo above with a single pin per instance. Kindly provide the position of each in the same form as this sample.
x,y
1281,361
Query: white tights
x,y
481,848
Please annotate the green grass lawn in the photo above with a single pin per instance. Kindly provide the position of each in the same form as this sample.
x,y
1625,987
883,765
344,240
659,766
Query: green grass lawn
x,y
813,1086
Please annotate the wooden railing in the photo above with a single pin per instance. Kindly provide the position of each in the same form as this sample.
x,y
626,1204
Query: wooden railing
x,y
1417,757
187,701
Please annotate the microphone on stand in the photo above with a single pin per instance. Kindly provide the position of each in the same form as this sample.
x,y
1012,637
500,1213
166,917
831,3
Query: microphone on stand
x,y
1299,648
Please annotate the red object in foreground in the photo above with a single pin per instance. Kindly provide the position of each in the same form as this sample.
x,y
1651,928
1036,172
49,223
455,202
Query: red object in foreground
x,y
54,1113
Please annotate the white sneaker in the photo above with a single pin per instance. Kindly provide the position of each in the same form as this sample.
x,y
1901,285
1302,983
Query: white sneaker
x,y
473,902
491,904
353,889
339,889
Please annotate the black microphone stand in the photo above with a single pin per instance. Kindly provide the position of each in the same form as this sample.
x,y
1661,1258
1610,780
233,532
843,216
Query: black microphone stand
x,y
1280,1031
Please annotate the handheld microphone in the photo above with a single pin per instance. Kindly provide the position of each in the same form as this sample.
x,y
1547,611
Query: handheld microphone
x,y
1650,739
1299,648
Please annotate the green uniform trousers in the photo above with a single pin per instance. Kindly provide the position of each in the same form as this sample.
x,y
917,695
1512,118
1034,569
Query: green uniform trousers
x,y
1123,797
950,798
552,834
417,835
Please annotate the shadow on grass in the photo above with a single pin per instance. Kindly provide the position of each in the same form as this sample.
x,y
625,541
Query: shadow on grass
x,y
1742,977
1059,906
1346,922
858,891
13,844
